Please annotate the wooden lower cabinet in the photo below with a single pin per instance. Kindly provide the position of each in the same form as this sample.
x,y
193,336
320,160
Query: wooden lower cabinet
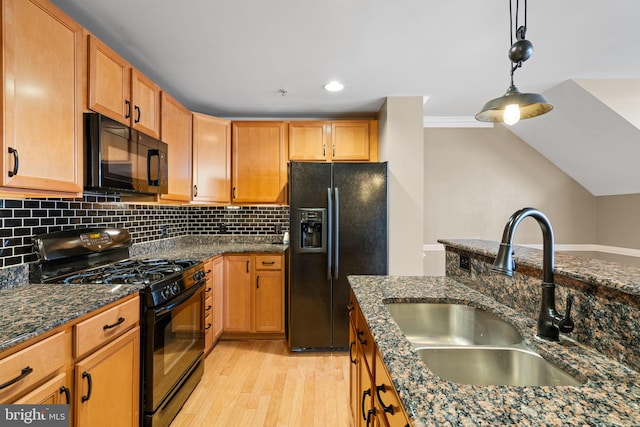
x,y
373,399
54,392
207,308
217,266
107,385
213,302
253,294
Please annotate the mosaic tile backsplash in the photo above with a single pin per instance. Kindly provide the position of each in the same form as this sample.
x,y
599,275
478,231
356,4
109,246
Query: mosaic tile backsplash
x,y
22,219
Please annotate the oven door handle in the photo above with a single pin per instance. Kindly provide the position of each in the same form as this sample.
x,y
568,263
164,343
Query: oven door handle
x,y
174,303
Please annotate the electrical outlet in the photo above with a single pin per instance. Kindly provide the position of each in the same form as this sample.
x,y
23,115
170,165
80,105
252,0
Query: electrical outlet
x,y
223,228
465,262
278,228
163,231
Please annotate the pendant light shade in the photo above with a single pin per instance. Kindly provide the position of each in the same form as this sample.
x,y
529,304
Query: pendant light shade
x,y
529,105
514,105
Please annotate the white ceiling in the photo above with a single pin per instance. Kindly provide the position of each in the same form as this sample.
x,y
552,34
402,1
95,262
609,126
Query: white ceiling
x,y
231,57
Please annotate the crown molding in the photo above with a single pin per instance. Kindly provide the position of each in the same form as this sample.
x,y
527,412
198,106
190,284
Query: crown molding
x,y
454,122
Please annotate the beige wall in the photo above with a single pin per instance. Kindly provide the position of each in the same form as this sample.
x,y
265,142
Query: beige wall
x,y
402,144
619,221
476,178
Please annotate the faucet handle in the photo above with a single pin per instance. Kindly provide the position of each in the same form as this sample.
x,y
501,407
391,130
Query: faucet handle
x,y
566,324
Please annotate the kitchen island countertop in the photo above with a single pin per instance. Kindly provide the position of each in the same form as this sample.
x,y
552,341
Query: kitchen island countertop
x,y
610,396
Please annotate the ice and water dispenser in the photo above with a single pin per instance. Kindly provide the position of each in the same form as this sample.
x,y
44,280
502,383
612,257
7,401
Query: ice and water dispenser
x,y
313,230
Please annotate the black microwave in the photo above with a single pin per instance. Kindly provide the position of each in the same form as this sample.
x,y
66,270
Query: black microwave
x,y
120,159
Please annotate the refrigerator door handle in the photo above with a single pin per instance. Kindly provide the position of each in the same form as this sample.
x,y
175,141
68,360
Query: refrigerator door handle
x,y
337,226
329,232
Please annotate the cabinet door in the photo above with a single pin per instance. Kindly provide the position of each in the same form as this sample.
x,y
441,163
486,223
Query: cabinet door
x,y
53,392
102,398
175,131
42,118
237,294
109,82
259,162
366,410
387,400
269,301
211,159
354,396
351,141
218,296
145,97
308,141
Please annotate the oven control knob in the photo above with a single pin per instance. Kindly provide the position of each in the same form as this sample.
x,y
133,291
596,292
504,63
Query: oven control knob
x,y
175,289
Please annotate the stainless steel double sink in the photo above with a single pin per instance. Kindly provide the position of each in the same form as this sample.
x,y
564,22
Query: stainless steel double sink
x,y
468,345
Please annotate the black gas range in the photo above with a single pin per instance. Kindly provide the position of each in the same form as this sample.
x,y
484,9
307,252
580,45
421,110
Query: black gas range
x,y
172,320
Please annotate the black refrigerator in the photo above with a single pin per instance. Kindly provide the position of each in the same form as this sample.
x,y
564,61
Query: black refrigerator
x,y
338,227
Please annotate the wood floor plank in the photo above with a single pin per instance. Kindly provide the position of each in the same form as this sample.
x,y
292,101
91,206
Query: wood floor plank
x,y
259,383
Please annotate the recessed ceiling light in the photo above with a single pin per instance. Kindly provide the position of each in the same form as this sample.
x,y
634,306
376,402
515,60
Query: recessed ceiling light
x,y
334,86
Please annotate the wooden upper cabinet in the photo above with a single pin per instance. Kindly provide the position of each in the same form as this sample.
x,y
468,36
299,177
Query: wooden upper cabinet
x,y
211,159
346,140
175,131
354,141
259,156
145,98
109,82
121,92
308,141
41,115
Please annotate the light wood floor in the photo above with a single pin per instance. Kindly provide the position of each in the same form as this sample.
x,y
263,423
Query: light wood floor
x,y
259,383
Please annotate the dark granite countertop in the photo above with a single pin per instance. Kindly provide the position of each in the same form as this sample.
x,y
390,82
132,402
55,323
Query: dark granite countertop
x,y
610,396
27,310
624,278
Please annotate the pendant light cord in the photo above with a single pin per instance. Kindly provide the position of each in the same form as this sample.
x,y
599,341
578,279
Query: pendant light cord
x,y
520,32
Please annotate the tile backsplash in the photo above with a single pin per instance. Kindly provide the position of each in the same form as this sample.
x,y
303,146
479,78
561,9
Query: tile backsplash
x,y
22,219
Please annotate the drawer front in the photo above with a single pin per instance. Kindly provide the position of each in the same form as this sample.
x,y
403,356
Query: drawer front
x,y
23,370
268,262
103,327
363,335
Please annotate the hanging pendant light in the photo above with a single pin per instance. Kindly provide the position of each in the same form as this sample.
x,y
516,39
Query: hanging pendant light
x,y
514,106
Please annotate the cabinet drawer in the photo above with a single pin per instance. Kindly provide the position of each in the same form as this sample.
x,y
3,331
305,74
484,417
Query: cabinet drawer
x,y
363,335
32,365
103,327
268,262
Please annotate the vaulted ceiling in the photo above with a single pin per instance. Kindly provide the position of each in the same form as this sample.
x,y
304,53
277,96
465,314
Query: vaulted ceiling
x,y
234,59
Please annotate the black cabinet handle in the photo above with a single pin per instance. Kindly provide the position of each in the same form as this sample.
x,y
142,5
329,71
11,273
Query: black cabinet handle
x,y
233,193
360,334
25,371
351,358
208,308
87,396
365,393
113,325
16,160
385,408
195,191
370,414
258,282
208,326
350,306
128,113
207,290
137,120
268,262
247,266
67,393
